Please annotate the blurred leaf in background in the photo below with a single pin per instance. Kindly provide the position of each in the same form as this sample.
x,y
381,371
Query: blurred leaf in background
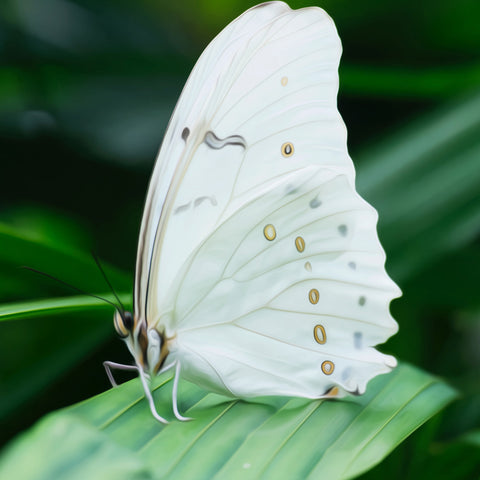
x,y
86,90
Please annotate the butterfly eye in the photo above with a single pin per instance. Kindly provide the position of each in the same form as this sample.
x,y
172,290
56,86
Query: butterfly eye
x,y
123,323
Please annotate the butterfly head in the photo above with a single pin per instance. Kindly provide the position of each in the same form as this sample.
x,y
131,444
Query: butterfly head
x,y
149,348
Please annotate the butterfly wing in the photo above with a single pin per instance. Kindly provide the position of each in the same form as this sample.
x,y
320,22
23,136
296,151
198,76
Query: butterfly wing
x,y
214,75
289,295
264,262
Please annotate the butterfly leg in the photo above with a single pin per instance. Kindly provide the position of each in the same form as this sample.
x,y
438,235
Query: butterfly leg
x,y
174,394
119,366
149,396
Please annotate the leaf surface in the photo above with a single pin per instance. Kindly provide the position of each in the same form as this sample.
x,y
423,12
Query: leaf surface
x,y
228,439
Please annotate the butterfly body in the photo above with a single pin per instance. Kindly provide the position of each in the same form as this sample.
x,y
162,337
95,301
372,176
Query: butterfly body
x,y
259,270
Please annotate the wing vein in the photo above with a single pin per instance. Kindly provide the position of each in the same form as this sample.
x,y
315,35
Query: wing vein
x,y
302,258
290,233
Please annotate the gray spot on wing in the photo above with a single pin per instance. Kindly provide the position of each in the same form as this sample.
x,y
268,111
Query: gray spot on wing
x,y
216,143
362,300
198,201
342,229
290,189
357,340
346,374
315,203
182,208
185,133
352,265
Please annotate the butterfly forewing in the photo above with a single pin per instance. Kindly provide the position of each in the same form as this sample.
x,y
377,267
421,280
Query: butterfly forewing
x,y
190,122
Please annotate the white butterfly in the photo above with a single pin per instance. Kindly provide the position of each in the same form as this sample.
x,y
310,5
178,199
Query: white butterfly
x,y
259,270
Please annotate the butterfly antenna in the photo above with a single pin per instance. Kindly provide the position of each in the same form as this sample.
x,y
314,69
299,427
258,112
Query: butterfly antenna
x,y
83,292
99,265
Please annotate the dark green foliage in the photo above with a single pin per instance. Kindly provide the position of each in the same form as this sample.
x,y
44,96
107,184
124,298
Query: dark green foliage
x,y
86,90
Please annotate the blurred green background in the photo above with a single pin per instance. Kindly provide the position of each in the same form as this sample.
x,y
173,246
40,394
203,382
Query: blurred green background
x,y
86,91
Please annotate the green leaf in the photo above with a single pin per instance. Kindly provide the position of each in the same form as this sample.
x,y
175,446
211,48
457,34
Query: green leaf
x,y
56,306
70,441
424,183
19,248
272,438
47,349
60,349
35,354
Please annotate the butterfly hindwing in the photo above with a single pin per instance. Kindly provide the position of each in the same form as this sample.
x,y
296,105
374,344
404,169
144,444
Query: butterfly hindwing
x,y
291,281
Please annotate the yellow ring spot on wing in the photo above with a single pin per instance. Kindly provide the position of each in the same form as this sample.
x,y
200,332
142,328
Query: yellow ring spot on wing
x,y
320,334
313,296
287,149
300,244
328,367
270,232
284,81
